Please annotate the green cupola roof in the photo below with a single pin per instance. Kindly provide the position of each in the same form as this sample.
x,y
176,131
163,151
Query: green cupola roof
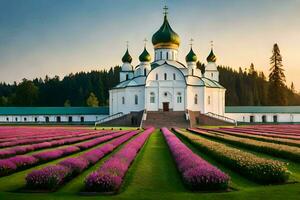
x,y
145,56
165,37
127,57
191,56
211,57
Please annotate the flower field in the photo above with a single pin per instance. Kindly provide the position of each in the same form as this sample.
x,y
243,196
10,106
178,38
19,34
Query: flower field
x,y
248,162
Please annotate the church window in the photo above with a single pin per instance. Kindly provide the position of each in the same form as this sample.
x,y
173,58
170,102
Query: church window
x,y
173,55
174,76
25,119
166,94
145,72
81,119
161,55
264,119
123,100
156,76
196,99
136,99
35,119
152,97
167,56
208,100
179,97
165,76
70,119
212,75
275,118
16,119
7,119
127,77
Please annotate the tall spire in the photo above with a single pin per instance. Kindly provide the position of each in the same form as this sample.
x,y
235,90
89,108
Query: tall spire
x,y
165,12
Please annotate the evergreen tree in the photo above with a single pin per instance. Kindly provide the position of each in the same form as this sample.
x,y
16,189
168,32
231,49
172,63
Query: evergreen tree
x,y
92,100
277,95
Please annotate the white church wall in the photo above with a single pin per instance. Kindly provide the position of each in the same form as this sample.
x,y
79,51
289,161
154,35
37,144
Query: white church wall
x,y
214,100
124,100
166,54
191,103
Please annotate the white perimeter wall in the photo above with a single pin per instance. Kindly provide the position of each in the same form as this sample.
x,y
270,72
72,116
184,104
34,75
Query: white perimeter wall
x,y
281,117
52,118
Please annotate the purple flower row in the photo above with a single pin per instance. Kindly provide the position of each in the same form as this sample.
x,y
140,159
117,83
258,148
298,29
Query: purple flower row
x,y
110,175
13,164
197,173
4,153
51,177
40,137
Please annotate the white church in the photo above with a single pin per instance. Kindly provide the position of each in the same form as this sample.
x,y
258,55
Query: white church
x,y
166,84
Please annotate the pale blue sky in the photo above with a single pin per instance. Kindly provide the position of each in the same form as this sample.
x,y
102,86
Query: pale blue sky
x,y
57,37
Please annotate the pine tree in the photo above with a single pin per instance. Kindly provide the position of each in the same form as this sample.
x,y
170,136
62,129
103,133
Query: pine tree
x,y
293,87
92,100
277,85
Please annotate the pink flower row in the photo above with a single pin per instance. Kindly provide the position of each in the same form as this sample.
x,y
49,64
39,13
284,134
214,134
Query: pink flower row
x,y
11,165
12,151
197,173
51,177
109,177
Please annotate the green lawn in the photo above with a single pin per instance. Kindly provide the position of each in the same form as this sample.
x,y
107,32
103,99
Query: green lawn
x,y
153,175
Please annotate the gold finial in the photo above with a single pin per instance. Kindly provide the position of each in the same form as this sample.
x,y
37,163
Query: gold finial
x,y
145,42
212,44
127,44
191,42
165,10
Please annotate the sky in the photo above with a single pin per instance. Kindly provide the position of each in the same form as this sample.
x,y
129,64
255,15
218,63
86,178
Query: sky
x,y
58,37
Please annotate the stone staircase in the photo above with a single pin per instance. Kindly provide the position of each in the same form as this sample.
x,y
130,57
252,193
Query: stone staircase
x,y
132,119
198,119
169,119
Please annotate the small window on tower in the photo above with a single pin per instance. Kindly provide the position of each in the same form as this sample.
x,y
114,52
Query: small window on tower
x,y
145,72
208,100
165,76
136,99
174,76
127,77
212,75
123,100
196,99
156,76
167,56
161,55
152,97
179,97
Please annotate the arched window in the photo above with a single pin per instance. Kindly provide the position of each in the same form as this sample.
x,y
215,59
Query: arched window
x,y
25,119
81,119
47,119
136,99
196,99
145,72
167,55
123,100
208,100
275,118
161,55
58,119
252,119
127,77
152,97
165,76
174,76
156,76
212,75
179,97
264,118
70,119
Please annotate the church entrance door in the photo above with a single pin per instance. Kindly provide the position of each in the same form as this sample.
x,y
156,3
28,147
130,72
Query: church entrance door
x,y
165,106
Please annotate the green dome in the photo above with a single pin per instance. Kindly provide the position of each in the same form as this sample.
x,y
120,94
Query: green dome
x,y
127,57
165,37
145,56
211,57
191,56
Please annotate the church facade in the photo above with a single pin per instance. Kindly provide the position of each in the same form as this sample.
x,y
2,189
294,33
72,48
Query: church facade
x,y
166,84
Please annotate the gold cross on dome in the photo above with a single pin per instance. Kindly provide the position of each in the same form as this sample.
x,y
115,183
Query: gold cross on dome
x,y
191,42
211,44
165,10
145,42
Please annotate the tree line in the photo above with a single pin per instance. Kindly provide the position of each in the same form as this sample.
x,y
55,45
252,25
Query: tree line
x,y
244,87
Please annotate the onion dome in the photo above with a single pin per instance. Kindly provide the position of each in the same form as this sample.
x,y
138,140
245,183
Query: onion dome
x,y
145,56
127,57
165,37
211,57
191,56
